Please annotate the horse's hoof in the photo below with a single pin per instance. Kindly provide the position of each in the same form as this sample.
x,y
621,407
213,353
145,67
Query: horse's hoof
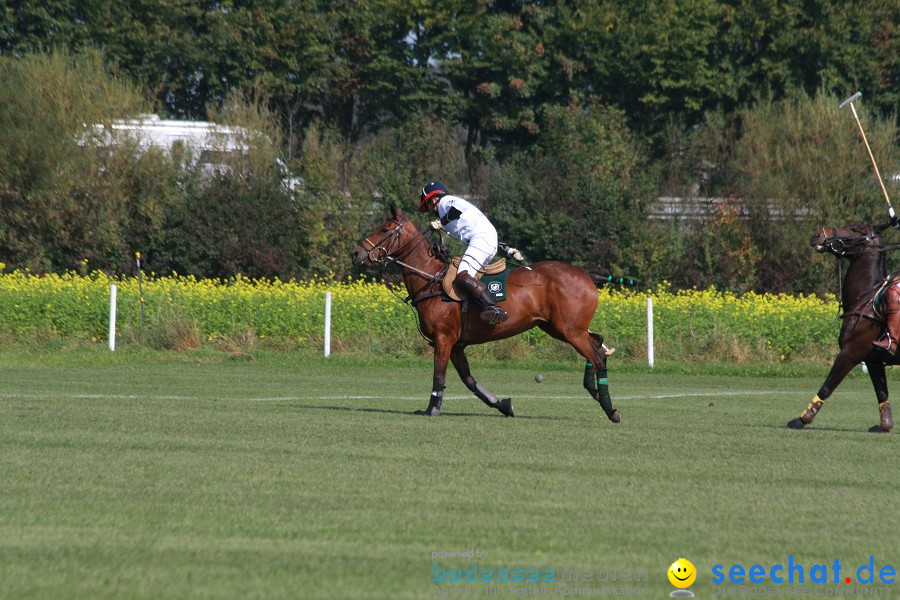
x,y
615,416
505,406
428,412
878,429
887,420
796,423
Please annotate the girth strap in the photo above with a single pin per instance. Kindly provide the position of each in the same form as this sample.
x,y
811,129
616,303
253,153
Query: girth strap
x,y
463,322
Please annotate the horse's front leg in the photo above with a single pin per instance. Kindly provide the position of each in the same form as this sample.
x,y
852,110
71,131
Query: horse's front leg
x,y
846,359
458,356
879,382
442,349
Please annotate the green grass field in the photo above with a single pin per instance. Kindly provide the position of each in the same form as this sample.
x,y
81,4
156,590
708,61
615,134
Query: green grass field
x,y
154,476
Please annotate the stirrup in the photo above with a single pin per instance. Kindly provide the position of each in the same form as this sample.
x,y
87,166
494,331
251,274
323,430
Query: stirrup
x,y
493,314
887,343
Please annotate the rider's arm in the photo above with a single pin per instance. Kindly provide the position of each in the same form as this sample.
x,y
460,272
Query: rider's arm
x,y
452,214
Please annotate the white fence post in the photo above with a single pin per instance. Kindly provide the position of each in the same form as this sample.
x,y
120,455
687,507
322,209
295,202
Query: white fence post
x,y
650,331
112,317
327,324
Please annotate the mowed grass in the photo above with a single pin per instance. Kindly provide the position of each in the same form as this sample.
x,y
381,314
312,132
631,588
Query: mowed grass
x,y
215,478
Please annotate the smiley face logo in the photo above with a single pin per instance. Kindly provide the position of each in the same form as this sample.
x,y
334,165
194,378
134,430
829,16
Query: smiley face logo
x,y
682,573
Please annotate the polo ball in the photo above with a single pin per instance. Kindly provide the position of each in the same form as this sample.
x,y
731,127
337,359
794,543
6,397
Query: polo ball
x,y
539,378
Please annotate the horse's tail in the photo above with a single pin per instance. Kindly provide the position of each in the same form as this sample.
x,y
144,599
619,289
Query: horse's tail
x,y
601,278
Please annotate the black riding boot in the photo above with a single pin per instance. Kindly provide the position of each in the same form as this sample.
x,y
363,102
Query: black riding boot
x,y
469,287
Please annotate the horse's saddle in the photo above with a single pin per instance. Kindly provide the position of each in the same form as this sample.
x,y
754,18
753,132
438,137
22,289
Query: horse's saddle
x,y
878,305
494,276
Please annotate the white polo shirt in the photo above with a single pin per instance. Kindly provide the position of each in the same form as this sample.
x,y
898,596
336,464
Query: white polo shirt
x,y
465,222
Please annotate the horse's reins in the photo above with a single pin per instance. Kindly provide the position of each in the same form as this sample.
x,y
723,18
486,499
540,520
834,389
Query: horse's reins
x,y
382,254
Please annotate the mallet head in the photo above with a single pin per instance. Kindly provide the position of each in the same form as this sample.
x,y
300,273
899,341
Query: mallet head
x,y
850,100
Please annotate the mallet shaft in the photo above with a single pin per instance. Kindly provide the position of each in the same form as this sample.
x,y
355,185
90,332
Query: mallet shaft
x,y
850,101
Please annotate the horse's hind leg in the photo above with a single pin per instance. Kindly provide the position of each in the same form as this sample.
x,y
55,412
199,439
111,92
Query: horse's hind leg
x,y
596,380
458,357
879,382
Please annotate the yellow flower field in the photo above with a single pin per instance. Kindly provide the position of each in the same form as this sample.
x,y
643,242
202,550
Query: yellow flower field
x,y
687,323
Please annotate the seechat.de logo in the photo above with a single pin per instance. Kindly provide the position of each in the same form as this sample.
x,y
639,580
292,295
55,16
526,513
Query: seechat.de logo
x,y
793,572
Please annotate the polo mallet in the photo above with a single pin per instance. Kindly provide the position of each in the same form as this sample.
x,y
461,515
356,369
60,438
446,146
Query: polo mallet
x,y
850,101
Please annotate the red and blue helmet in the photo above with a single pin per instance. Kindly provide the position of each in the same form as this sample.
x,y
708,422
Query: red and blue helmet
x,y
433,189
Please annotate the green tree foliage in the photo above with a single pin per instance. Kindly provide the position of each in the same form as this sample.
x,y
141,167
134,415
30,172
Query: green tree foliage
x,y
241,220
783,47
580,195
333,219
529,107
61,201
230,226
400,161
496,63
800,164
663,58
72,194
792,166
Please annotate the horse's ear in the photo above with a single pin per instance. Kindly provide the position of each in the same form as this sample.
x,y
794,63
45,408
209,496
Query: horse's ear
x,y
396,212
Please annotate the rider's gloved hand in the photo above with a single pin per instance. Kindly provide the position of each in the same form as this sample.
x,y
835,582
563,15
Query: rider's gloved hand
x,y
436,225
510,252
895,222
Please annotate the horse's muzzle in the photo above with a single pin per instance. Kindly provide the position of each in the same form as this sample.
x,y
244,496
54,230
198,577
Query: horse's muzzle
x,y
359,256
817,241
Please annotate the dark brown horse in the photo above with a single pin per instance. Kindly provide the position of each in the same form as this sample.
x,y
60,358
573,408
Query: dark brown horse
x,y
557,297
864,247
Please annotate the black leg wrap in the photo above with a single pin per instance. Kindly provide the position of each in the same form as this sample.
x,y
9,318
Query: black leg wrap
x,y
590,379
603,397
434,404
596,382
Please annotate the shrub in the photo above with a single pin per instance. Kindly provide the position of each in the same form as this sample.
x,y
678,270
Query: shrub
x,y
580,195
62,201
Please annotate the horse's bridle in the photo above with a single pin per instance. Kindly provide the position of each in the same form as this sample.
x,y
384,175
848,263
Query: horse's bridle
x,y
850,247
847,246
381,252
384,252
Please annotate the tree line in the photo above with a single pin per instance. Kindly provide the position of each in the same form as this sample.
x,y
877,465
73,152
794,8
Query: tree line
x,y
565,120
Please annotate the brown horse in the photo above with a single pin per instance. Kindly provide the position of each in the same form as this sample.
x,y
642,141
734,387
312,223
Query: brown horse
x,y
557,297
864,246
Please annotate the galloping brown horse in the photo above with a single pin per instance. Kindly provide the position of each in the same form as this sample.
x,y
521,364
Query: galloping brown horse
x,y
557,297
864,246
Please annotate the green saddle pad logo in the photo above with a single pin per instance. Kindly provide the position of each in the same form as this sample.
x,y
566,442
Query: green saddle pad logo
x,y
496,284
